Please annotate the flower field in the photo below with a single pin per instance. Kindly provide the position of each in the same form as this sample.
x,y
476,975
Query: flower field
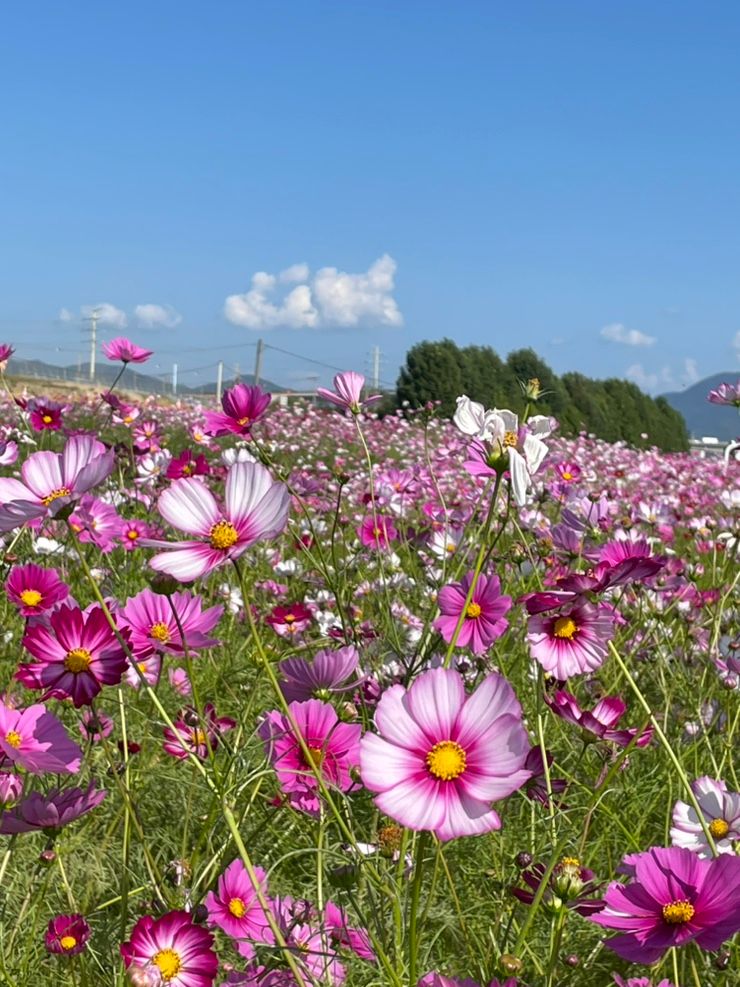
x,y
304,696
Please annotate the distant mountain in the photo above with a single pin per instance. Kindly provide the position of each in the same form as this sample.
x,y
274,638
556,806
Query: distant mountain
x,y
132,378
702,417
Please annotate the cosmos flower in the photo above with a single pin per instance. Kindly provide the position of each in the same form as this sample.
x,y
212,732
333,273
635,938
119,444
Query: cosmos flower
x,y
75,656
569,886
255,509
572,641
155,623
196,736
34,739
45,416
601,721
329,673
187,464
726,394
67,935
243,406
52,811
337,924
721,811
289,621
124,350
34,589
485,616
347,392
173,945
440,758
95,523
235,908
673,897
6,351
377,532
333,749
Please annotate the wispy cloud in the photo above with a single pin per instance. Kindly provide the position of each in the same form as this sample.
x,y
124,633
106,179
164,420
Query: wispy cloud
x,y
150,316
690,370
330,298
615,332
108,314
649,381
736,346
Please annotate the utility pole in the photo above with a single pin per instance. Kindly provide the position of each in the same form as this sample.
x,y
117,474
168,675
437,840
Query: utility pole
x,y
219,381
376,368
174,378
237,372
258,361
92,318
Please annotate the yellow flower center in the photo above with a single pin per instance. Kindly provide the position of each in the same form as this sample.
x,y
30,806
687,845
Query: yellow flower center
x,y
510,439
719,828
14,739
289,618
446,760
55,495
47,419
68,942
243,421
160,632
31,597
315,756
223,535
570,862
566,627
132,535
141,666
169,963
237,908
473,610
567,476
678,912
77,660
200,739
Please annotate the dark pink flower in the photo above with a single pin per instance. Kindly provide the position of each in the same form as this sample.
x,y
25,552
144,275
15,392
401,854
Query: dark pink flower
x,y
336,922
6,351
569,886
34,739
131,533
235,908
67,935
50,812
124,350
175,948
35,590
377,532
485,615
243,406
601,721
158,623
195,736
187,464
94,726
673,897
75,656
45,416
290,620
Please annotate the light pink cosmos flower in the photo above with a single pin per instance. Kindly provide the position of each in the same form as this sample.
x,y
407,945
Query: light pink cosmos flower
x,y
726,394
50,480
255,509
235,908
721,811
485,615
440,758
347,392
333,748
571,642
124,350
34,739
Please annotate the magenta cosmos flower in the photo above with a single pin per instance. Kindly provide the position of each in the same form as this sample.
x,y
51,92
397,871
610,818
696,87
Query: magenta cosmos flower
x,y
50,812
35,590
255,509
289,621
485,615
195,736
45,415
440,758
601,721
6,351
235,908
571,642
67,935
181,952
377,532
155,622
34,739
673,897
51,480
124,350
330,673
243,406
75,656
721,811
333,749
347,392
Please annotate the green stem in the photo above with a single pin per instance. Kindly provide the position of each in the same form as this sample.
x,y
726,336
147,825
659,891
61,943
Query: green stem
x,y
421,846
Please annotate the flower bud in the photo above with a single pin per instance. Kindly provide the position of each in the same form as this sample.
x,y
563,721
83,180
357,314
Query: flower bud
x,y
510,964
523,859
163,584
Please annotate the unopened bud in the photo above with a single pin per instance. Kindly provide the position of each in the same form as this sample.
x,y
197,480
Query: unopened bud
x,y
510,964
523,859
573,960
47,856
722,960
163,584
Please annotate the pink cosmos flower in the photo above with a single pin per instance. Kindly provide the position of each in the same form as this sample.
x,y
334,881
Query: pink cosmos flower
x,y
180,951
75,656
721,811
153,620
94,726
672,898
67,935
601,721
34,739
333,748
243,406
347,392
568,472
95,523
35,590
6,351
571,642
149,669
45,415
726,394
196,736
132,532
187,464
330,673
336,922
485,616
290,620
434,979
236,908
640,982
255,509
124,350
50,812
11,787
51,480
440,758
569,885
377,532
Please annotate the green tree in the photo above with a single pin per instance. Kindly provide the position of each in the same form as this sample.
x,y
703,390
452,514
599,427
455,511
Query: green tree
x,y
432,372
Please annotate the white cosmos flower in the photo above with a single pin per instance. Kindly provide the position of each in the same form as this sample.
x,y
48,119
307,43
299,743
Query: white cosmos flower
x,y
721,811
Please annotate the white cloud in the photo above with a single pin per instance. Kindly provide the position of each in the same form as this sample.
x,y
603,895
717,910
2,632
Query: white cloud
x,y
65,315
650,381
331,298
108,314
152,316
736,346
617,333
690,370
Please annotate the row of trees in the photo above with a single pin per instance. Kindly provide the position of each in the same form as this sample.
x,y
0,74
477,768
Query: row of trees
x,y
611,409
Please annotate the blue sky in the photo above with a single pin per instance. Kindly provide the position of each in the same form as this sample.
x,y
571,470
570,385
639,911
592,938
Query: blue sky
x,y
563,176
